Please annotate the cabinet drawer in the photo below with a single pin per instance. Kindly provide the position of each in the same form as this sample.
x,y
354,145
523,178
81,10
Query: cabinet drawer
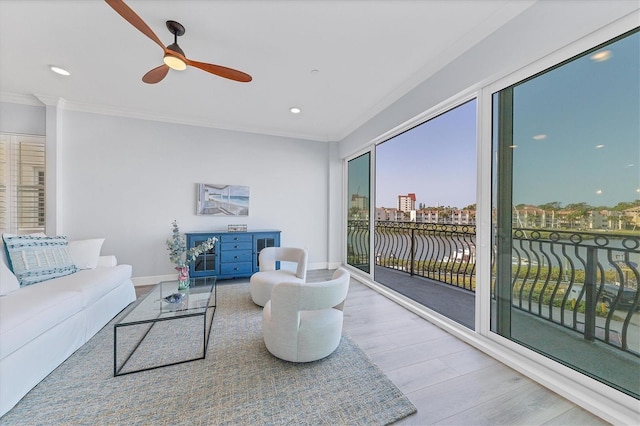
x,y
232,256
235,238
238,268
235,246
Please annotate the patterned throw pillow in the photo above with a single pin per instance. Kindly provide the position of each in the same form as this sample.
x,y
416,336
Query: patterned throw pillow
x,y
34,258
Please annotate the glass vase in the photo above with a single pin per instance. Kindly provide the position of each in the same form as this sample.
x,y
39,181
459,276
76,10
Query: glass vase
x,y
183,277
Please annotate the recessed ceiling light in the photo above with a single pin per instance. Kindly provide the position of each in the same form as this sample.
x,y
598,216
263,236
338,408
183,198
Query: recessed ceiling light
x,y
59,70
601,56
539,137
599,146
295,110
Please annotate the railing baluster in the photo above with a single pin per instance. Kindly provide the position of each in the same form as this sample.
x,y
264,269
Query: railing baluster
x,y
555,273
590,286
413,249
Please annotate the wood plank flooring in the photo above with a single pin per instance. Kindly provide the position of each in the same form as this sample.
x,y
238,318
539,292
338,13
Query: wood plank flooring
x,y
449,381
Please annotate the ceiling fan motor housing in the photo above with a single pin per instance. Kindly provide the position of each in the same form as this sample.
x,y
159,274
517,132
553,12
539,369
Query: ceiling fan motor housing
x,y
175,48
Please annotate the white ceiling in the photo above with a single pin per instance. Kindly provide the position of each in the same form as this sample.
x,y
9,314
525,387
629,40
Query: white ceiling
x,y
367,54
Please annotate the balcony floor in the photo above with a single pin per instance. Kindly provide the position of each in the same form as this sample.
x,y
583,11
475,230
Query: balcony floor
x,y
453,302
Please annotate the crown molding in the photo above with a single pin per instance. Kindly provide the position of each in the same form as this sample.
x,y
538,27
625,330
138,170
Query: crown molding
x,y
14,98
50,100
141,115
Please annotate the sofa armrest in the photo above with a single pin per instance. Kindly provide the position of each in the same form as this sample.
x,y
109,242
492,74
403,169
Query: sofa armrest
x,y
106,261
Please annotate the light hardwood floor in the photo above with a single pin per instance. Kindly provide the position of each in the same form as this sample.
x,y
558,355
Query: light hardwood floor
x,y
449,381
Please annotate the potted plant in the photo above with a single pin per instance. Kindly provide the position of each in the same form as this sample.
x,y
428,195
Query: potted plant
x,y
181,257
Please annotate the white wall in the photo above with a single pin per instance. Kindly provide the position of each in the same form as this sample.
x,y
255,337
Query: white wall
x,y
23,119
127,179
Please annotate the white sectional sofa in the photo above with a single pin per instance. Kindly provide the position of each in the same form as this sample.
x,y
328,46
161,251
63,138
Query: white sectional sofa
x,y
42,324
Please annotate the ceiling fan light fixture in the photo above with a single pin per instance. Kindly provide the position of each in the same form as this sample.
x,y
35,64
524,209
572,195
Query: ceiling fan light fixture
x,y
174,62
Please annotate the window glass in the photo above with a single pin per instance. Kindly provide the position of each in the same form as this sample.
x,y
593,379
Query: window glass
x,y
425,213
566,203
359,194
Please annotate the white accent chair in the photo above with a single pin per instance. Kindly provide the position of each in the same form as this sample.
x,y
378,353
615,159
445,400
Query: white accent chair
x,y
263,281
302,322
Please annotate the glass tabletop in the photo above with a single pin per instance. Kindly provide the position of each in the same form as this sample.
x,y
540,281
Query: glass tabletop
x,y
164,301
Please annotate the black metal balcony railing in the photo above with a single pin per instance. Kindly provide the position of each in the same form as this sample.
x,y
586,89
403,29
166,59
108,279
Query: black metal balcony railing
x,y
440,252
584,281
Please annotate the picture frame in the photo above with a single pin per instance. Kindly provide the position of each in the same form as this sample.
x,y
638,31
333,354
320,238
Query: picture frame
x,y
222,200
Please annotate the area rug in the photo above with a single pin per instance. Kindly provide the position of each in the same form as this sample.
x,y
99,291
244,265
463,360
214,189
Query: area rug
x,y
238,383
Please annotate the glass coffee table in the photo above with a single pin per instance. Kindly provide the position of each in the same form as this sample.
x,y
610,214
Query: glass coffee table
x,y
165,327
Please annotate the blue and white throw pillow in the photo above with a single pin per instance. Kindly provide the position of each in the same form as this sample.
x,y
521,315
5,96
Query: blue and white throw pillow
x,y
34,259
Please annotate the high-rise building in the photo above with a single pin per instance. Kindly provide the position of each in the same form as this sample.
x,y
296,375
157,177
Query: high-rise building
x,y
407,203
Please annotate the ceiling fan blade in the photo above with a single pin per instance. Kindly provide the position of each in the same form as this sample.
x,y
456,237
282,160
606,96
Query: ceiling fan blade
x,y
130,16
156,75
221,71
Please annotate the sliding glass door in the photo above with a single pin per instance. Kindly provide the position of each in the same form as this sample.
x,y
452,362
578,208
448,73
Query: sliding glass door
x,y
566,203
358,206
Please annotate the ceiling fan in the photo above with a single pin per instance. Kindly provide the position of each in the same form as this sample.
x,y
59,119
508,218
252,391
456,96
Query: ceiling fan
x,y
173,55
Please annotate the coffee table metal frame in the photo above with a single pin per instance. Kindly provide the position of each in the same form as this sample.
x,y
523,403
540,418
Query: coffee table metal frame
x,y
151,309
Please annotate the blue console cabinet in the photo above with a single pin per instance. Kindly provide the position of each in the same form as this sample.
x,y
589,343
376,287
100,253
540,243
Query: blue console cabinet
x,y
235,254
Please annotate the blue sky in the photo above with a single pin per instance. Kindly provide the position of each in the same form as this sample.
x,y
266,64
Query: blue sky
x,y
577,130
435,160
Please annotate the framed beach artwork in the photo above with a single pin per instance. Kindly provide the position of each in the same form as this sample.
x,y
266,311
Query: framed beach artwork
x,y
222,200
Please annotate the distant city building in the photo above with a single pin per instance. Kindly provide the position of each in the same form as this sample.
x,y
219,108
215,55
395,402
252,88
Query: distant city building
x,y
463,217
523,217
359,202
359,207
442,216
390,215
407,203
428,216
535,217
634,216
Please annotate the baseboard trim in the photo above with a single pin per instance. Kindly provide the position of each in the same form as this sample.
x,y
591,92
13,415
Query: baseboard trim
x,y
155,279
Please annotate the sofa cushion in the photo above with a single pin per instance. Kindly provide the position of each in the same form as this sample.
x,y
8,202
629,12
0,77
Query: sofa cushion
x,y
8,281
35,259
92,284
85,253
30,311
